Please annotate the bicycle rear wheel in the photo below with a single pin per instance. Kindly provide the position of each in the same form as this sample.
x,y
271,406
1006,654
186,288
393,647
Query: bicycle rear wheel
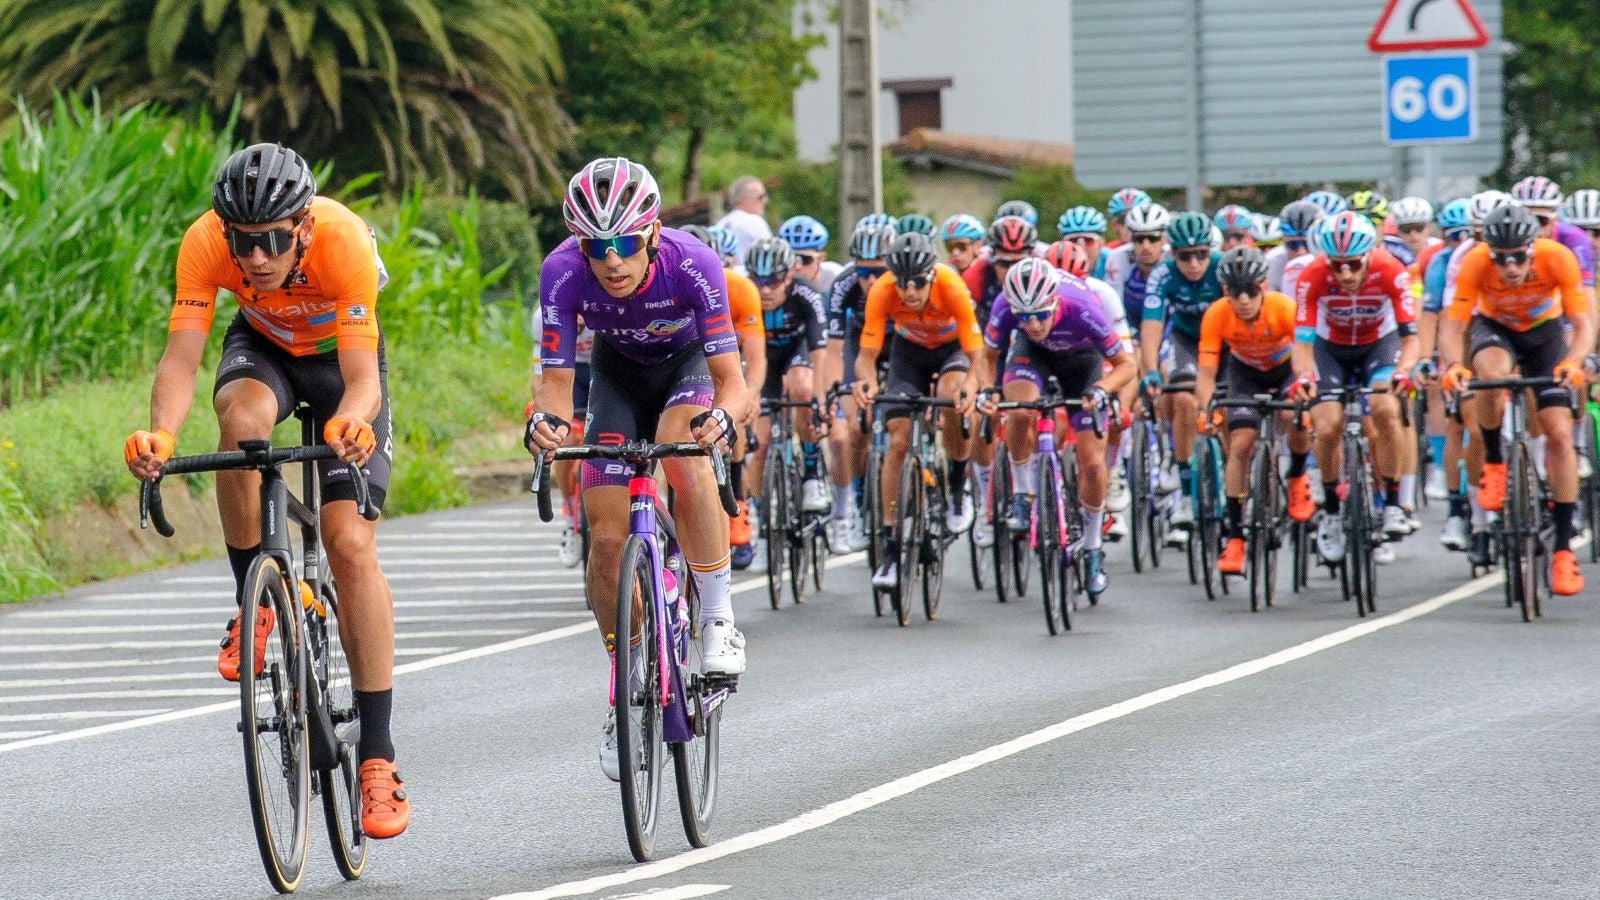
x,y
277,753
341,785
999,497
982,558
1208,532
1358,535
1138,479
1047,550
1591,487
696,762
909,515
641,753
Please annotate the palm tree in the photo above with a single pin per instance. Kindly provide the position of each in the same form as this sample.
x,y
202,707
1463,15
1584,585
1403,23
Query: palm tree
x,y
458,90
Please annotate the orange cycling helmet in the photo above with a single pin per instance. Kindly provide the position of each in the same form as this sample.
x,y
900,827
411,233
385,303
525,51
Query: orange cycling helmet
x,y
1068,257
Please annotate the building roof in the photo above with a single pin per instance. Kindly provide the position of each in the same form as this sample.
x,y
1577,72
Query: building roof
x,y
989,155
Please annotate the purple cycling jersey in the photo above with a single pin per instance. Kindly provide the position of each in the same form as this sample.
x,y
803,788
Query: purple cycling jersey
x,y
1080,324
1577,240
683,300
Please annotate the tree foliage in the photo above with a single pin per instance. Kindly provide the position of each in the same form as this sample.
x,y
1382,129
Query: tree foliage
x,y
1552,89
641,71
457,90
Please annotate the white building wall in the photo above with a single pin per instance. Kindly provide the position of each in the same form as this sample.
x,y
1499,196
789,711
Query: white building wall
x,y
1009,59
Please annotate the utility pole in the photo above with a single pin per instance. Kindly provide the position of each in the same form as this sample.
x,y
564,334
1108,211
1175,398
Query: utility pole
x,y
860,162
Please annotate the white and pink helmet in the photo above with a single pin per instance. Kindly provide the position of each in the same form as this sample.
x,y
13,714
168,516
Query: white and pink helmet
x,y
611,197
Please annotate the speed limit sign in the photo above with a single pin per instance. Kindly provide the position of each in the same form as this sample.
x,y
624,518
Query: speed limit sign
x,y
1430,99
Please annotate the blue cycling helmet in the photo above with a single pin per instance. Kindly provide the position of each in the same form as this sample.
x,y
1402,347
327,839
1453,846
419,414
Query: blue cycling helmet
x,y
1455,214
871,219
1329,202
1234,217
725,242
1190,229
804,233
917,222
1082,220
1022,209
962,227
1348,234
1124,200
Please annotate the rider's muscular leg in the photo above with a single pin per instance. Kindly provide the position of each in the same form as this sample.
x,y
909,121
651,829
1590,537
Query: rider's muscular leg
x,y
1327,420
1091,454
756,466
246,410
955,446
1184,413
702,522
893,461
1236,479
1560,457
606,507
1390,437
366,606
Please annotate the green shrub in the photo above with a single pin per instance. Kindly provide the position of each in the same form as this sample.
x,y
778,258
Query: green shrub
x,y
23,572
505,234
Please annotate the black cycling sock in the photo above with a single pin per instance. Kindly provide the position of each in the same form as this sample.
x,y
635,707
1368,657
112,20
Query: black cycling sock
x,y
1564,513
1493,452
239,559
1330,497
374,708
1233,509
1391,492
1458,505
955,475
736,478
1297,464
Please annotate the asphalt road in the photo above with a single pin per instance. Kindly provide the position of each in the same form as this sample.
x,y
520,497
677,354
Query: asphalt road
x,y
1166,747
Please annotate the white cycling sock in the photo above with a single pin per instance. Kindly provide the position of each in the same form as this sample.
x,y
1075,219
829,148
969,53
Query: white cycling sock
x,y
982,474
1408,490
843,498
711,583
1092,523
1536,450
1022,476
1479,517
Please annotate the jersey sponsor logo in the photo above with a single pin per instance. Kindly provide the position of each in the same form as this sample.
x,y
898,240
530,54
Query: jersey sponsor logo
x,y
693,271
356,311
325,318
663,327
660,304
550,342
721,323
550,310
199,303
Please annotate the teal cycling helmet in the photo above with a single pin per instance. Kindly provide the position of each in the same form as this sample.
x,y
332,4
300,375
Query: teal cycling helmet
x,y
1190,229
804,233
1346,235
1082,220
962,227
1124,200
917,222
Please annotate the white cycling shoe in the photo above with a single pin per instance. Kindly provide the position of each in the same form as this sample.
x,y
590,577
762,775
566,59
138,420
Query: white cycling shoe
x,y
959,518
758,561
983,534
721,648
1383,554
1330,538
856,534
1395,522
571,547
887,576
814,496
1117,497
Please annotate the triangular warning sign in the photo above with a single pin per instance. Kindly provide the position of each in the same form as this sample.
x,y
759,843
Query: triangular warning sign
x,y
1408,25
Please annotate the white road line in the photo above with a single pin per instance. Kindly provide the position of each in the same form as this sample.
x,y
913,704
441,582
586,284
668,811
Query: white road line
x,y
15,735
209,624
171,694
85,714
56,665
900,787
492,617
212,642
477,523
503,573
385,553
192,675
402,562
210,613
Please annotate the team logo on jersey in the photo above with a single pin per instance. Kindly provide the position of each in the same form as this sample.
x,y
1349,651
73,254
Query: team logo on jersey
x,y
356,312
662,327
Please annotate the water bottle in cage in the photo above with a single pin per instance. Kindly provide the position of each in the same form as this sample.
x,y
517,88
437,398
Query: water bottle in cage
x,y
676,603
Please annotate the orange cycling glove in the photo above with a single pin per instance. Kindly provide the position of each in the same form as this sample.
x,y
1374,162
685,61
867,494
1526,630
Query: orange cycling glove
x,y
1456,378
160,442
351,430
1571,374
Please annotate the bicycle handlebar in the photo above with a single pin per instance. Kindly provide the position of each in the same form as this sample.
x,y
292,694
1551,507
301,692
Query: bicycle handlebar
x,y
1045,404
254,455
925,402
638,453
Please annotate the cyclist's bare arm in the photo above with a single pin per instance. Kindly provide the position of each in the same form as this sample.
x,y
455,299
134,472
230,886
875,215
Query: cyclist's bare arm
x,y
173,393
362,395
1582,338
1452,338
1205,384
755,375
1150,345
554,397
1428,331
1302,360
866,374
1121,375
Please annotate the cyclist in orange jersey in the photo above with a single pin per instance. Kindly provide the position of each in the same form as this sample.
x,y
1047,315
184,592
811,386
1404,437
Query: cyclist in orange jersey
x,y
1520,302
1257,327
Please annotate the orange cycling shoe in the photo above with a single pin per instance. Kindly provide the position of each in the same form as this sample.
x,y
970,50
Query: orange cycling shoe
x,y
1565,579
739,527
385,811
228,659
1301,509
1231,562
1492,487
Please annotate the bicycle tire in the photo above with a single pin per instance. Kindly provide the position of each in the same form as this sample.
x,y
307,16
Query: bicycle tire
x,y
773,522
1591,487
696,763
1071,582
1004,543
277,751
1522,495
1419,427
795,538
979,556
1047,546
1275,516
1357,525
933,545
1206,532
908,515
1138,479
640,748
817,540
873,489
341,785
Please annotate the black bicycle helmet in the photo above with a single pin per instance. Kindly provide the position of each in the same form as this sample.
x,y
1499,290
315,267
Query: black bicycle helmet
x,y
700,233
1242,269
769,258
1510,226
911,255
262,183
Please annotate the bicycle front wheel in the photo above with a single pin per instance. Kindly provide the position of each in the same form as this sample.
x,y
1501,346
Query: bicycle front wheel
x,y
341,785
277,753
1047,550
1522,499
908,515
1138,478
773,522
933,549
641,751
999,496
1207,533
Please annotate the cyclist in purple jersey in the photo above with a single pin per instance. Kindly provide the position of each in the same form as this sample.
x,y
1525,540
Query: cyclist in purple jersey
x,y
1056,327
1544,197
664,368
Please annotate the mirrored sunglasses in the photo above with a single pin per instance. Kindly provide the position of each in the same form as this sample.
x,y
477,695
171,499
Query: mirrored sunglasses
x,y
625,245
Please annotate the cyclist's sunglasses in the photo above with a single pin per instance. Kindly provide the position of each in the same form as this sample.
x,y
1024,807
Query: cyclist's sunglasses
x,y
1415,228
1236,235
1190,256
807,259
917,281
1036,318
1150,237
1005,262
1347,263
625,245
1511,258
1290,243
1545,218
1083,239
958,246
870,271
776,278
276,242
1594,231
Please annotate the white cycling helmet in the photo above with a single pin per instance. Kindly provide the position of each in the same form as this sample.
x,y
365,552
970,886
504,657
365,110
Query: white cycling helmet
x,y
1537,192
1583,208
1267,231
1411,211
1148,217
1216,238
1030,286
610,197
1484,202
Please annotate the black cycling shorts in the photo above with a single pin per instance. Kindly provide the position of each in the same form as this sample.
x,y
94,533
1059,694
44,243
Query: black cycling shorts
x,y
913,367
626,401
1535,351
1185,364
1367,364
1245,382
772,388
316,382
1074,370
580,389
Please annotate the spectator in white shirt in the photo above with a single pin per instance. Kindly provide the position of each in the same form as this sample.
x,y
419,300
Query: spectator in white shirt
x,y
749,198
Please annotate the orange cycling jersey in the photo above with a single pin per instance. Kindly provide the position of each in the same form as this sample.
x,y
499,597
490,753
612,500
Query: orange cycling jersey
x,y
1262,344
331,304
1553,276
744,304
947,316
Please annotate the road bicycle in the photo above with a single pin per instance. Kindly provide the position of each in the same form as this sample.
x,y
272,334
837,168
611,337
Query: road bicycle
x,y
794,537
662,695
1269,515
1206,539
1589,435
297,712
920,506
1363,528
1150,508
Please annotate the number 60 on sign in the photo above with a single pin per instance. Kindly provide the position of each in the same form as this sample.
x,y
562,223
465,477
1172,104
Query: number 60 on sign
x,y
1430,99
